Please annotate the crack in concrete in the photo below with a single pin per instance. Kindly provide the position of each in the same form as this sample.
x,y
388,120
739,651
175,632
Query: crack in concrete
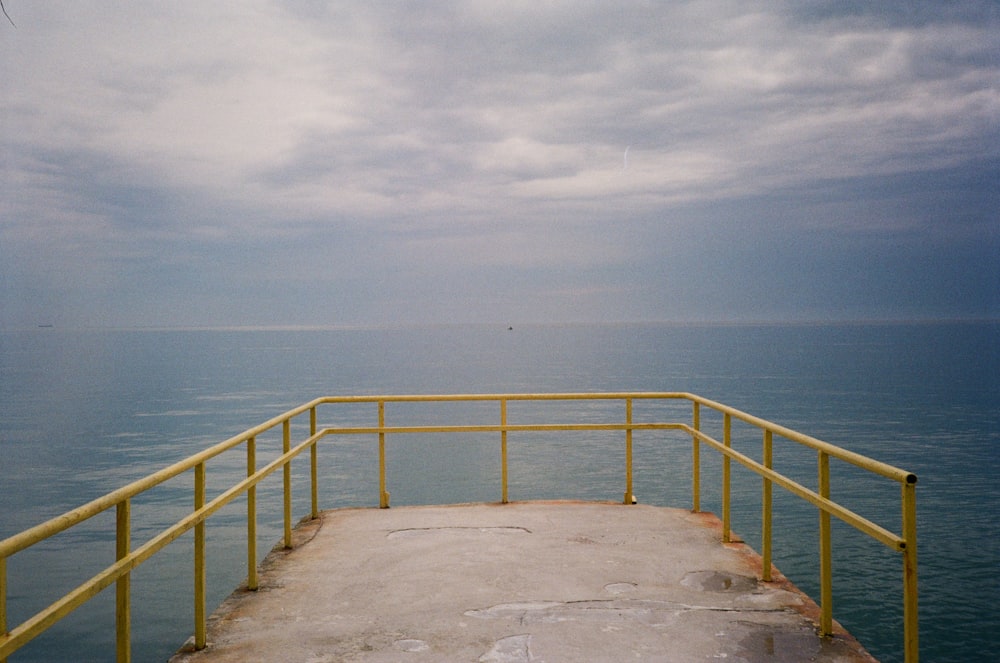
x,y
644,610
417,531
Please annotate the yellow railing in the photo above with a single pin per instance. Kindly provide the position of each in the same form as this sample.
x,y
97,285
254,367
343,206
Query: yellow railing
x,y
128,558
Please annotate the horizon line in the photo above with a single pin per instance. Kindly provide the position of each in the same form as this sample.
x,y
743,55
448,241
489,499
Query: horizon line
x,y
511,325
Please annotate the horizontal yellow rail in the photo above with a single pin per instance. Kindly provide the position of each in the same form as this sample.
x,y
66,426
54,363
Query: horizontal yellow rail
x,y
864,462
51,527
489,428
877,532
127,559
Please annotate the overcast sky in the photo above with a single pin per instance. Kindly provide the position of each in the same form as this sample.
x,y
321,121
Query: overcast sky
x,y
350,163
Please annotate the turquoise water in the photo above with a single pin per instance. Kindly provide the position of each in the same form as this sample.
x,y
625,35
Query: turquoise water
x,y
83,412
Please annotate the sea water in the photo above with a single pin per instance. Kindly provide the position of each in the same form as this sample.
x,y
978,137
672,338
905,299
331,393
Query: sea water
x,y
85,411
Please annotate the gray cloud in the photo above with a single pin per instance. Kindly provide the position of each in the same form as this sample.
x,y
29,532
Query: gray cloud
x,y
442,147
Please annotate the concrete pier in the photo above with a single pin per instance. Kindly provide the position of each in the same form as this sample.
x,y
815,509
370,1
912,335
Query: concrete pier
x,y
532,581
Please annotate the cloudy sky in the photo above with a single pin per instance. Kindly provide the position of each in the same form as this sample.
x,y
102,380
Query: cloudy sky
x,y
291,162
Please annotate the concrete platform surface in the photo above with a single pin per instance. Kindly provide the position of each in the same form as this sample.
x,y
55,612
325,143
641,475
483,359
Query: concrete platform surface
x,y
532,581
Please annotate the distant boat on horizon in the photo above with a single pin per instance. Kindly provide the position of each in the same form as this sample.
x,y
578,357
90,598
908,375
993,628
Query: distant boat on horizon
x,y
45,326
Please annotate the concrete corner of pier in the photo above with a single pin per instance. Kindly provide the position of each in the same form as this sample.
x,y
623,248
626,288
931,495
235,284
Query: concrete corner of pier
x,y
529,581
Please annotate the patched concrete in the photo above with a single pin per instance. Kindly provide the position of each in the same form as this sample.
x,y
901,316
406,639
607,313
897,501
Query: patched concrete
x,y
533,581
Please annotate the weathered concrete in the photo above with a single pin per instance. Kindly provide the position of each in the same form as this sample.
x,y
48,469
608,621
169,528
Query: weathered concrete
x,y
535,581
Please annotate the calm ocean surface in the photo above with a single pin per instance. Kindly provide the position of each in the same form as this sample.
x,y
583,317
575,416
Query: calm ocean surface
x,y
84,412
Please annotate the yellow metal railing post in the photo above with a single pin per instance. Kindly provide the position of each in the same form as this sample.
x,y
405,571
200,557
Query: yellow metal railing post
x,y
286,473
123,590
503,451
727,425
383,494
252,516
910,618
313,463
696,460
200,636
765,537
825,551
629,497
3,600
